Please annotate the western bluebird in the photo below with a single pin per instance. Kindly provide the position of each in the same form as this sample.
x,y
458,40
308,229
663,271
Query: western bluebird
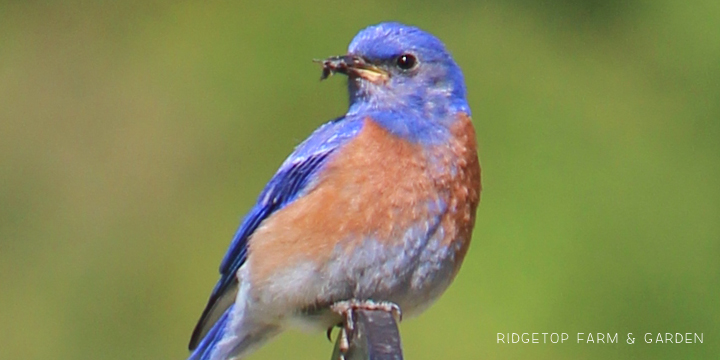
x,y
376,205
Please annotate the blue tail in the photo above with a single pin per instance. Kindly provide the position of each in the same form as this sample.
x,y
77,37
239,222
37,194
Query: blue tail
x,y
205,348
233,335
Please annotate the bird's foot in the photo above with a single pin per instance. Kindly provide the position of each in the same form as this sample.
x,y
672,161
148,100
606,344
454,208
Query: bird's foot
x,y
346,307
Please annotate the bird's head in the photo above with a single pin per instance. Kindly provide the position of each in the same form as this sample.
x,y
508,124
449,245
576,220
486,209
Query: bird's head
x,y
394,66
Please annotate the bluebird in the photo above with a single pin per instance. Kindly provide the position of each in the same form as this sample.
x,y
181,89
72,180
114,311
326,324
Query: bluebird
x,y
376,206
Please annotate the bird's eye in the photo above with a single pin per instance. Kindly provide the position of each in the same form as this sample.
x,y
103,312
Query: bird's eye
x,y
406,61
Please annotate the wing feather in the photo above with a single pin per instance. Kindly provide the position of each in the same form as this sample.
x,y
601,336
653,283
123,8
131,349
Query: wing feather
x,y
293,179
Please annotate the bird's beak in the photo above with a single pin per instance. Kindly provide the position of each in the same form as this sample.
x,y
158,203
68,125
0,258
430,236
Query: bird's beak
x,y
353,66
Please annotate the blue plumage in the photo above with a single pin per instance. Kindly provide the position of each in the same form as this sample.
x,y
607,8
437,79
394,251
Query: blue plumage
x,y
203,350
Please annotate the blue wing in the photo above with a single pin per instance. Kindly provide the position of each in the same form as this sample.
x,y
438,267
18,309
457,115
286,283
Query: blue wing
x,y
293,179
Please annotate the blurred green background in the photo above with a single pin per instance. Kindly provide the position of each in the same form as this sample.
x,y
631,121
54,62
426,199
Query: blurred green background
x,y
134,135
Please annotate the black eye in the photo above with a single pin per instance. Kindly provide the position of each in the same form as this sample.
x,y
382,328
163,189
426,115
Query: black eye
x,y
406,61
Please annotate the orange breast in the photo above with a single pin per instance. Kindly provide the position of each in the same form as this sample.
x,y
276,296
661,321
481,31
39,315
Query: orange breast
x,y
464,186
377,186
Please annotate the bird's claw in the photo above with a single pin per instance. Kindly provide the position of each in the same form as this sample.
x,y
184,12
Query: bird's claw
x,y
345,308
330,329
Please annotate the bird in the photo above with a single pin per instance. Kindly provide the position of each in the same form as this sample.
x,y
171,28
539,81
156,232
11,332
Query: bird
x,y
375,208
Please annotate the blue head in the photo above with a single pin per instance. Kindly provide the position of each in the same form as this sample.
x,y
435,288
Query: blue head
x,y
399,68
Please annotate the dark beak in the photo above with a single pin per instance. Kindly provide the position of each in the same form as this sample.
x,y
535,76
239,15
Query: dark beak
x,y
353,66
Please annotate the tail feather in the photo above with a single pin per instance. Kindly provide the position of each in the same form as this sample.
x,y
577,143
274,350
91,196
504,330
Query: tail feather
x,y
207,345
232,337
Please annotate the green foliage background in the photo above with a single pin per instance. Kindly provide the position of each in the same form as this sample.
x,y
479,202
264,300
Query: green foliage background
x,y
135,134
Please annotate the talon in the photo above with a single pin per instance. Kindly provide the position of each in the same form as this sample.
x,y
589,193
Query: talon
x,y
330,329
344,344
396,313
